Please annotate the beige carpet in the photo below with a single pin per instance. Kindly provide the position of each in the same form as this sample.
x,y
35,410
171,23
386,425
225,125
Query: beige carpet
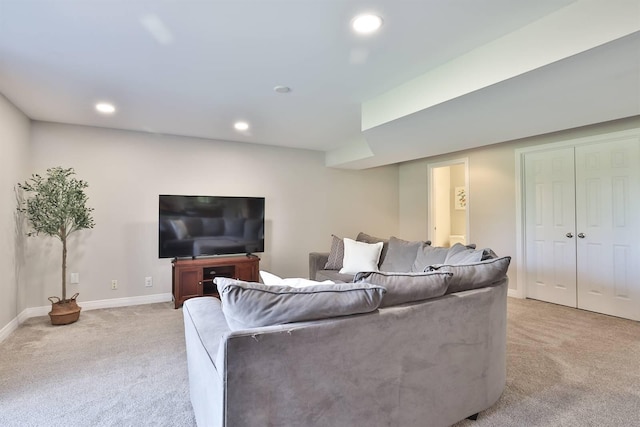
x,y
567,367
114,367
126,367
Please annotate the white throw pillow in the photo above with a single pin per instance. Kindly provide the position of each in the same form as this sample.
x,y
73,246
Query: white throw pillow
x,y
270,279
359,256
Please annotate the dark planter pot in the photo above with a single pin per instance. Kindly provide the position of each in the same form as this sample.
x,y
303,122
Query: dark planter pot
x,y
64,312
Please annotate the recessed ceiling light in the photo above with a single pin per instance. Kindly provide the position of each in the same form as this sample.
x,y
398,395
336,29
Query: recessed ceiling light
x,y
241,125
105,107
282,89
366,24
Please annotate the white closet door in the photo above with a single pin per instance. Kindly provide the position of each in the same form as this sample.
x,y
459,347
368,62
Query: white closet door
x,y
608,227
550,226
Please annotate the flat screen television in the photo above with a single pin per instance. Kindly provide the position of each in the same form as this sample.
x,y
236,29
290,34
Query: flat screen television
x,y
194,226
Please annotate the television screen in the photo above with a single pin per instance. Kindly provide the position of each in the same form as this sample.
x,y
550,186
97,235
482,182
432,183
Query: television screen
x,y
193,226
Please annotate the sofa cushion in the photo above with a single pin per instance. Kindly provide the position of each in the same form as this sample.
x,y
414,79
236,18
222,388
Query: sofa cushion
x,y
401,255
248,305
360,256
336,254
407,287
366,238
271,279
461,254
475,275
428,255
334,276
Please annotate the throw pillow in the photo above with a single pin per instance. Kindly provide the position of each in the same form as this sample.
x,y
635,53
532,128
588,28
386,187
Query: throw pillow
x,y
366,238
270,279
401,255
249,305
336,254
476,275
359,256
460,254
429,255
407,287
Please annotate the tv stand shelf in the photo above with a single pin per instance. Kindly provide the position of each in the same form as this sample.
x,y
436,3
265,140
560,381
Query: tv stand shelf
x,y
194,277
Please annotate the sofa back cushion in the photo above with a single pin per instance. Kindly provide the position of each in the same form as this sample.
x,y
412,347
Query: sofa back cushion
x,y
401,255
461,254
407,287
248,305
428,255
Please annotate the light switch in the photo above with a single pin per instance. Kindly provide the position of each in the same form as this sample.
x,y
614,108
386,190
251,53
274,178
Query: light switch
x,y
75,278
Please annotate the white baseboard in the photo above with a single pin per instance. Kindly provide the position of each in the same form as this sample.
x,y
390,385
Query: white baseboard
x,y
8,329
515,293
86,305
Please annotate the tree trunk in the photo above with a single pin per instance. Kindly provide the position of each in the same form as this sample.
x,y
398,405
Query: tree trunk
x,y
64,268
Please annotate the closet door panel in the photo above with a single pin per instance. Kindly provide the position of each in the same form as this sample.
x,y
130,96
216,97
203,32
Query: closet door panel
x,y
608,227
550,250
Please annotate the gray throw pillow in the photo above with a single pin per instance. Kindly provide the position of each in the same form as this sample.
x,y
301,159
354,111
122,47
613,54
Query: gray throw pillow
x,y
336,254
363,237
249,305
428,255
476,275
407,287
460,254
401,255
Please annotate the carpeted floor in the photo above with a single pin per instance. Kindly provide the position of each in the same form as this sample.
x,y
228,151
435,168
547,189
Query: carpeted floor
x,y
567,367
126,367
114,367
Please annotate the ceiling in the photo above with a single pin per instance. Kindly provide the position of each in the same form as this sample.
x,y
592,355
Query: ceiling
x,y
439,76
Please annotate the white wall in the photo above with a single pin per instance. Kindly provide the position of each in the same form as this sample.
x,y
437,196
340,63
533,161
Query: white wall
x,y
305,203
492,206
14,146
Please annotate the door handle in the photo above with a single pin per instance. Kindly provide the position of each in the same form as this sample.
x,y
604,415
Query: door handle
x,y
581,235
569,235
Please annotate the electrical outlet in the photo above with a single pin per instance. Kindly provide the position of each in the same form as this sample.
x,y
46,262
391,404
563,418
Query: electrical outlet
x,y
148,281
114,284
75,278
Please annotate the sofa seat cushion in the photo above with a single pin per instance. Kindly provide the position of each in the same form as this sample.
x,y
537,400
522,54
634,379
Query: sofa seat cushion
x,y
407,287
248,305
334,276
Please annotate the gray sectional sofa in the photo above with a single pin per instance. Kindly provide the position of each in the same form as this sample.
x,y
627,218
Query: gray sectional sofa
x,y
408,349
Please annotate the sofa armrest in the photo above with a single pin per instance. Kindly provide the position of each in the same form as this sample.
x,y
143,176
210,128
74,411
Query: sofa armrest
x,y
317,261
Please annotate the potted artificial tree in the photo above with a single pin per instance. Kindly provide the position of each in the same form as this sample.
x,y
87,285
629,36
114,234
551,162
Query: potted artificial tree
x,y
56,206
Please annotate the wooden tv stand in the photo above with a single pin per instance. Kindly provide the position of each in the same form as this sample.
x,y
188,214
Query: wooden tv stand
x,y
194,277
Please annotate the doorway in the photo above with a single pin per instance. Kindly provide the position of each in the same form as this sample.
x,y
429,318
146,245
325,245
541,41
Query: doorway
x,y
448,212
